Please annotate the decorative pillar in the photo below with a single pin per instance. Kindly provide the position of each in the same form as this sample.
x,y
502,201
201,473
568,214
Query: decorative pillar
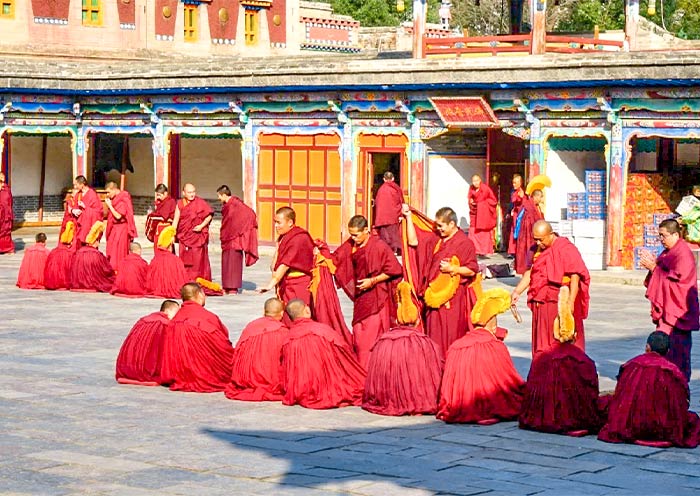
x,y
249,161
5,154
80,148
416,187
160,153
616,197
350,172
536,155
631,21
539,26
419,11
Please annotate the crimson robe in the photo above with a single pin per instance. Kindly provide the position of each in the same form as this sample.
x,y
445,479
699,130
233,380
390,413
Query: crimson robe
x,y
90,271
650,405
561,394
58,267
480,383
70,204
165,276
131,278
197,352
546,278
257,359
525,246
162,216
6,219
31,271
482,218
165,209
120,232
516,200
194,246
387,213
90,206
319,369
326,305
295,250
239,241
140,357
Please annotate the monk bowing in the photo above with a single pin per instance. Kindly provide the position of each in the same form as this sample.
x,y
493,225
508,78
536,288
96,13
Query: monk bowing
x,y
257,357
557,267
121,228
387,212
525,245
131,278
6,217
166,273
31,270
197,352
482,215
163,214
90,270
192,218
59,261
87,209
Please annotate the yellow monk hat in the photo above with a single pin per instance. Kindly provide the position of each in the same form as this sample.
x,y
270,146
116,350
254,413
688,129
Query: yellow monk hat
x,y
210,285
166,238
491,303
442,288
540,181
95,233
68,233
406,311
564,324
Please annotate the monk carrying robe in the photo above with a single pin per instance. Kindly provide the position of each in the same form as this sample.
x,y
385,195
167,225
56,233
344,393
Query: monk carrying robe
x,y
166,273
6,217
90,269
59,261
480,383
525,245
140,357
87,211
650,404
131,278
31,271
257,357
482,215
192,218
121,228
319,369
387,212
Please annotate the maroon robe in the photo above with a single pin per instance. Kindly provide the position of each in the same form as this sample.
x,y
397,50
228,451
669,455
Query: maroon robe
x,y
324,297
58,267
140,357
516,201
120,232
197,352
31,271
480,383
131,278
295,250
90,206
650,405
561,394
549,268
165,276
239,240
482,218
165,209
160,218
387,213
255,374
70,204
6,220
525,246
91,271
194,246
319,369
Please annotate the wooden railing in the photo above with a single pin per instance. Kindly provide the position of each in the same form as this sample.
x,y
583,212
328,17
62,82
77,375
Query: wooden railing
x,y
493,45
580,44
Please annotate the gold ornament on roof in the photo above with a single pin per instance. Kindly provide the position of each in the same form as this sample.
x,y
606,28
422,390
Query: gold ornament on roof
x,y
223,16
276,19
167,12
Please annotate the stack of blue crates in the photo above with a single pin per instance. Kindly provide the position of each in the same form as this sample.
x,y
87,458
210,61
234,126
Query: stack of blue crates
x,y
595,194
576,206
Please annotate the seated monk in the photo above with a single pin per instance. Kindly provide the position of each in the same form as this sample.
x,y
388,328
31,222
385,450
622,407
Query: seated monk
x,y
91,271
166,273
131,278
480,383
31,271
197,352
257,356
319,369
405,366
650,404
58,263
139,359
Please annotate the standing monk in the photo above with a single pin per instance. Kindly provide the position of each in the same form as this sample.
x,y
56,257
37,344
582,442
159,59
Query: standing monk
x,y
516,200
121,228
557,273
673,293
6,217
192,218
68,223
387,212
162,216
239,238
87,209
446,266
482,215
525,246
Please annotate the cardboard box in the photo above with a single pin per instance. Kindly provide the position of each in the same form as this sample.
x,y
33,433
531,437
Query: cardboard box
x,y
589,245
594,261
589,228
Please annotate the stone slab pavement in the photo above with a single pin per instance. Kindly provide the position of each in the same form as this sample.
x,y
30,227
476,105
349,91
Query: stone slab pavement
x,y
66,427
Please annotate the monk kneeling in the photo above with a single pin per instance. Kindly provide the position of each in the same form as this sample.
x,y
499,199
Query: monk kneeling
x,y
139,359
91,270
480,383
166,273
197,352
257,357
131,278
319,369
650,404
31,272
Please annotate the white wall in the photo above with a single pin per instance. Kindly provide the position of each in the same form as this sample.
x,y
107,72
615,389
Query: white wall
x,y
141,181
209,163
26,165
566,170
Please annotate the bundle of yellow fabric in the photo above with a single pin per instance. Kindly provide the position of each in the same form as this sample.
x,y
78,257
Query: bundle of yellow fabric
x,y
442,288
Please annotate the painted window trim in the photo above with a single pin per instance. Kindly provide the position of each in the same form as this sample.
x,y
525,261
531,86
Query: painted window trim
x,y
252,35
88,7
191,32
11,14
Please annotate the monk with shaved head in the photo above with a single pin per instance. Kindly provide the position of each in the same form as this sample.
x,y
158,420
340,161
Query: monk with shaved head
x,y
121,228
192,218
86,211
482,215
132,275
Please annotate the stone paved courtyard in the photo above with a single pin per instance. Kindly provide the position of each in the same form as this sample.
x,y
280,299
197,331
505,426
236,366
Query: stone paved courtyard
x,y
66,427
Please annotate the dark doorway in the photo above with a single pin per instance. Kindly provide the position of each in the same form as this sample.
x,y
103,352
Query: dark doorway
x,y
381,162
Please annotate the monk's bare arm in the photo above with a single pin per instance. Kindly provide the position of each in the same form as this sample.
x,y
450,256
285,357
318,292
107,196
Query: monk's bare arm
x,y
410,228
114,211
203,224
176,219
573,289
370,282
277,276
454,270
521,287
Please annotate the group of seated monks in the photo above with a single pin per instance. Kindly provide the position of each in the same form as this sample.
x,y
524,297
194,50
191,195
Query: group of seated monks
x,y
308,363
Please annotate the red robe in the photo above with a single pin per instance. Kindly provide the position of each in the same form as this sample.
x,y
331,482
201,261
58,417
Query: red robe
x,y
70,204
165,276
546,278
162,216
256,362
480,383
58,267
91,211
31,271
525,245
482,218
516,201
194,246
295,250
319,369
387,212
6,220
131,278
561,394
324,296
197,352
403,375
139,359
120,232
239,239
90,271
650,405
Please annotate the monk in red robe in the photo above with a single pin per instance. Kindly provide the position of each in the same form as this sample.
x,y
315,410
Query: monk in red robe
x,y
650,404
673,293
6,217
132,276
319,369
257,357
516,199
480,383
387,212
482,215
293,260
525,245
197,352
121,228
324,295
166,273
69,221
557,263
192,218
239,239
140,357
88,209
162,216
367,270
60,260
90,270
31,271
446,267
